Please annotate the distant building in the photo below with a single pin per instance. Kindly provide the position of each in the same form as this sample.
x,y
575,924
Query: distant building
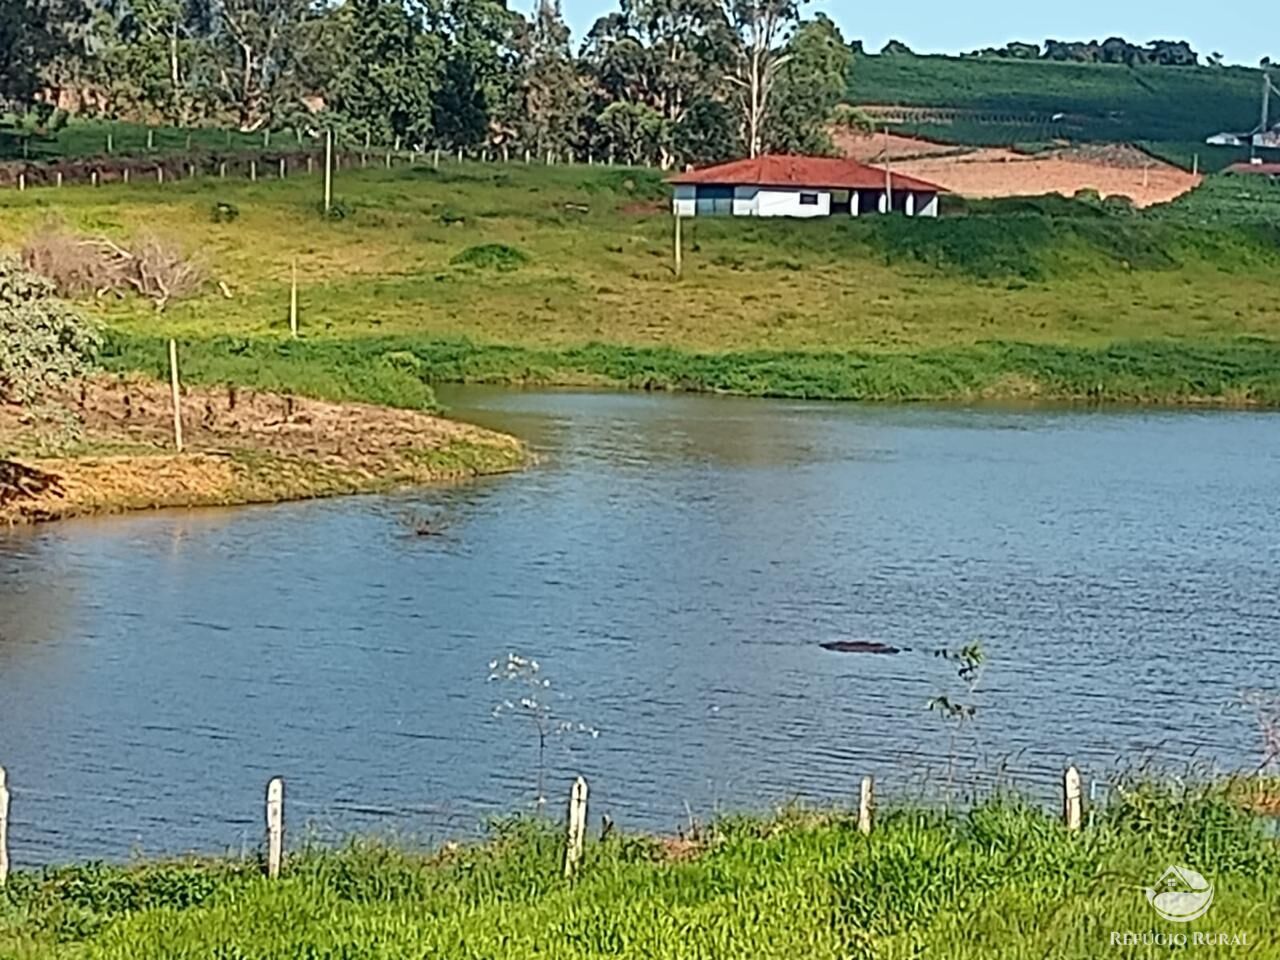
x,y
786,186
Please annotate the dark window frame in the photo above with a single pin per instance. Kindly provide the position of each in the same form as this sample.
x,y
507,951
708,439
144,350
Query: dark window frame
x,y
810,199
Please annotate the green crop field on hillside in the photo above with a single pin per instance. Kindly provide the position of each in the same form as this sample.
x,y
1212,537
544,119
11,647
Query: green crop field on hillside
x,y
1015,101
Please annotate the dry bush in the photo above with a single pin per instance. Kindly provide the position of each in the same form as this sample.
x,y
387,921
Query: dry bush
x,y
71,263
153,267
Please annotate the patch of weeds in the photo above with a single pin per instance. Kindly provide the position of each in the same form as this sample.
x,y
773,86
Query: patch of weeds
x,y
491,256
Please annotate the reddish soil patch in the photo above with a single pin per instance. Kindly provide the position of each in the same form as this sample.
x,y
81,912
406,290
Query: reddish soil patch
x,y
1111,170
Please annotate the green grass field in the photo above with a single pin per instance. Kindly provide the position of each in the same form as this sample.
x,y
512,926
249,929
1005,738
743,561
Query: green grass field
x,y
95,138
564,275
1001,881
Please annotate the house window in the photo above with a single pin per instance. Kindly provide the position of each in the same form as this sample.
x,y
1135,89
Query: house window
x,y
808,199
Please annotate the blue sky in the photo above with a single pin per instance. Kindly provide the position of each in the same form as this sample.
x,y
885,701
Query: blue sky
x,y
945,26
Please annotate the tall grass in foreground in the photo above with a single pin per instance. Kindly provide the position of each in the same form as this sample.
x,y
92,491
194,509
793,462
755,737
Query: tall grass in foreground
x,y
1003,880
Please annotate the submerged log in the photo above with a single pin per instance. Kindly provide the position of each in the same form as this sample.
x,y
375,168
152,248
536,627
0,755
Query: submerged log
x,y
20,482
859,646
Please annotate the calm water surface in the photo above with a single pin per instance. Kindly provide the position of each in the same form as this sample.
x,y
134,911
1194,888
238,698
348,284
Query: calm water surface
x,y
674,563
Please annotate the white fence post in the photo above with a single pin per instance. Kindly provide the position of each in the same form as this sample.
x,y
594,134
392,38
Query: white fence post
x,y
176,388
577,831
1072,800
4,827
866,805
275,826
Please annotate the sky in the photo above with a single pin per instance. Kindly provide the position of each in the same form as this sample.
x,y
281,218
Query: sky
x,y
945,26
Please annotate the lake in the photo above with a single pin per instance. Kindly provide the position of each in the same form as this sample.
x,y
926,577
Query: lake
x,y
675,564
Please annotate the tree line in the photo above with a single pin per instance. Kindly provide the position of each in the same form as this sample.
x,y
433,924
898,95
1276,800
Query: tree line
x,y
666,81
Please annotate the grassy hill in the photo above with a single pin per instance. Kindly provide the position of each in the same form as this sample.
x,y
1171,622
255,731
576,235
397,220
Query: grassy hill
x,y
1013,101
563,275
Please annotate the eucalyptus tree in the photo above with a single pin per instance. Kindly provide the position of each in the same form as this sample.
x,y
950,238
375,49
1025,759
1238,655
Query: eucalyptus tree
x,y
34,34
809,86
151,59
478,72
759,30
546,111
266,56
667,55
388,73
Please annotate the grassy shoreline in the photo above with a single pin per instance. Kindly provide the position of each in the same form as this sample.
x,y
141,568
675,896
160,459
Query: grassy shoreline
x,y
396,371
1000,880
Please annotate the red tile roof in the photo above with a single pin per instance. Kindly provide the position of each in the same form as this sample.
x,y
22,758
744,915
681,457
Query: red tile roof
x,y
826,173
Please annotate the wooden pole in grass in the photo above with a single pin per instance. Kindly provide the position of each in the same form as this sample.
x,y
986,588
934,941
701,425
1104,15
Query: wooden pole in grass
x,y
328,170
576,837
4,827
866,805
679,246
22,182
275,826
151,140
293,301
1195,165
177,394
1072,800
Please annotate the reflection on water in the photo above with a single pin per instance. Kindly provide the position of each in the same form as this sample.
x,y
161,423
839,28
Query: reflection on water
x,y
675,563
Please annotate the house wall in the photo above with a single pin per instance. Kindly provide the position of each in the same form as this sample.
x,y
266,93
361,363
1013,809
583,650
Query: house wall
x,y
745,201
684,203
786,203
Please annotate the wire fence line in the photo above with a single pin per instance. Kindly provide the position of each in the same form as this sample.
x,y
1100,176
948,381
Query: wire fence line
x,y
1076,813
262,163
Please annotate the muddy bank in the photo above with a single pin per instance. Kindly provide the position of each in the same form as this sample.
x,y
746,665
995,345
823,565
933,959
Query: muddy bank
x,y
111,450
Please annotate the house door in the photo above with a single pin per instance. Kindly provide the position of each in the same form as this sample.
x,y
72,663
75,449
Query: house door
x,y
714,201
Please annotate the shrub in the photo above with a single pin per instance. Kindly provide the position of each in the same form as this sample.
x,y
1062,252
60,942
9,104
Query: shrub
x,y
77,266
223,212
491,256
46,342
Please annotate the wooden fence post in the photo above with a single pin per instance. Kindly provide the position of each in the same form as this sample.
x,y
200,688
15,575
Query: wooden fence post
x,y
275,826
328,170
222,170
866,805
577,830
283,170
293,301
159,174
1072,800
679,244
57,179
94,177
22,182
151,140
177,394
4,827
253,171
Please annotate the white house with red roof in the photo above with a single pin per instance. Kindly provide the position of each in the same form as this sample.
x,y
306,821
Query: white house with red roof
x,y
786,186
